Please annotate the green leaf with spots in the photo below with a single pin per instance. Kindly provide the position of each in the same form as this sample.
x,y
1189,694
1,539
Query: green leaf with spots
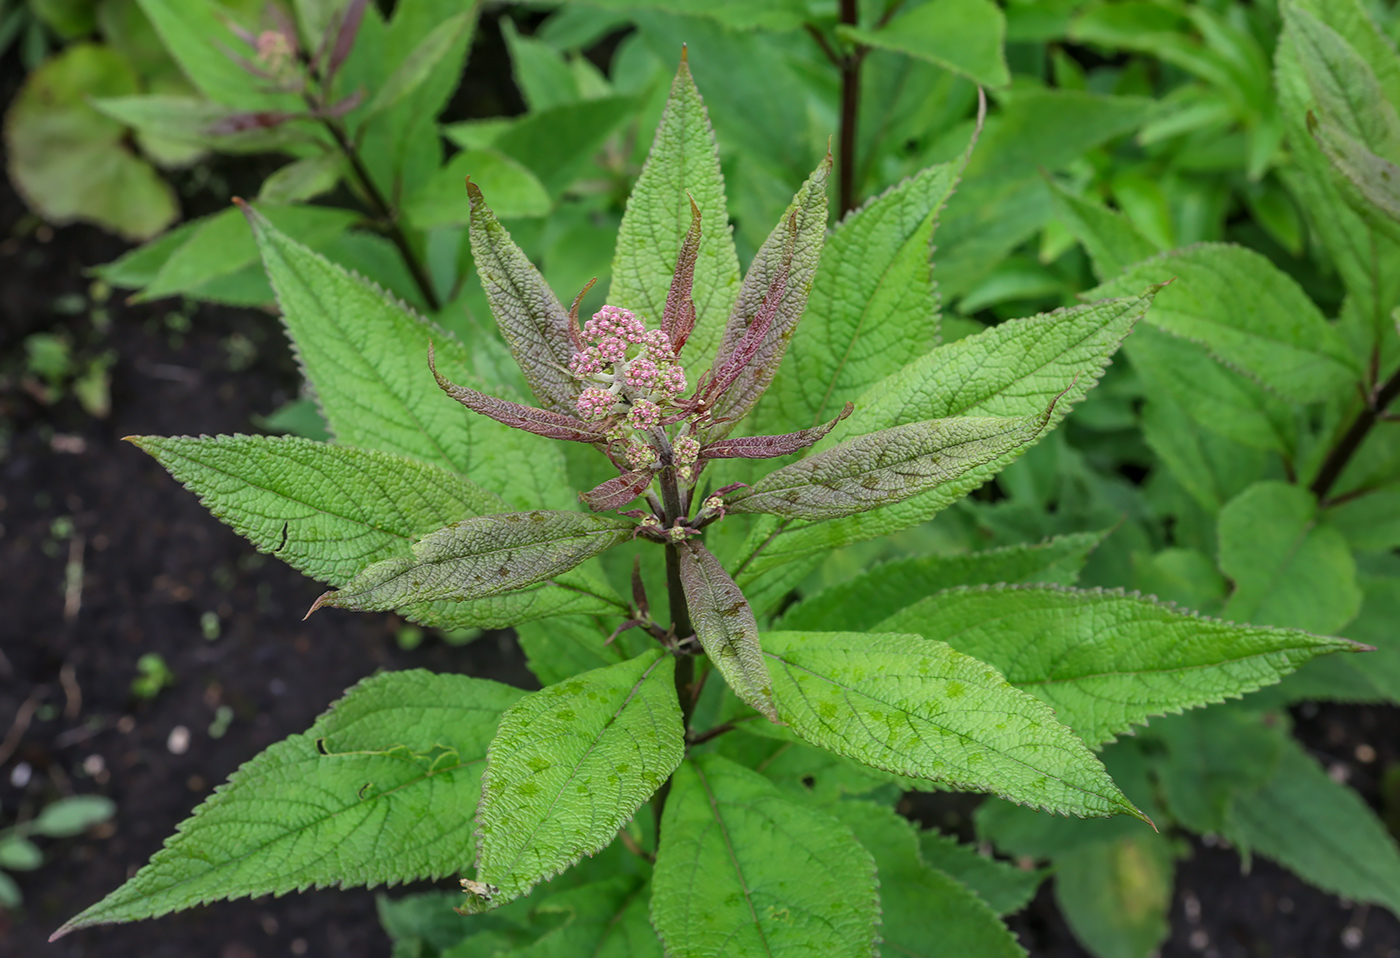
x,y
923,912
480,557
1106,660
570,765
873,302
327,511
918,707
862,601
1017,368
727,871
373,793
365,356
683,166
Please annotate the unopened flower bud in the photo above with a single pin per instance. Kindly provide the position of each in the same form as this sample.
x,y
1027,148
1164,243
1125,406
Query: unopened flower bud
x,y
658,345
595,404
612,349
670,381
685,450
640,455
641,374
644,414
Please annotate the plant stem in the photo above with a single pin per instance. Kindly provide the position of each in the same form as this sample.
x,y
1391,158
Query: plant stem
x,y
1352,439
385,212
850,111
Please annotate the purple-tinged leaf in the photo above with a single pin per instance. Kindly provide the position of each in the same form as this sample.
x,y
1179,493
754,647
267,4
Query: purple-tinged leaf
x,y
253,120
808,210
534,323
479,557
725,626
345,37
679,317
541,422
342,106
770,447
885,467
617,491
575,332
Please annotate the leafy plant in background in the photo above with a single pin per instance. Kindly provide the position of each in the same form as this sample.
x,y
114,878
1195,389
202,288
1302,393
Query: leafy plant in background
x,y
771,787
63,818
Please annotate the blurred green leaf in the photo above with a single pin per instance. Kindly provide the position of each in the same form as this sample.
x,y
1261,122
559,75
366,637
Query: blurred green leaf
x,y
965,36
19,854
73,815
1116,895
512,190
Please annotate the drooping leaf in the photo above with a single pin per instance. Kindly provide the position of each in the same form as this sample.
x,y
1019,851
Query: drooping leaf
x,y
327,511
683,166
725,626
572,593
1320,829
1015,369
1248,313
1288,565
923,912
534,323
366,357
866,599
1000,884
792,251
569,766
480,557
873,302
919,708
885,467
373,793
1115,895
1107,660
731,846
69,162
965,36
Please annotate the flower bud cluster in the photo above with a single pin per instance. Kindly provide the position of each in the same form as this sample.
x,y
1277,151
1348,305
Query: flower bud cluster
x,y
685,451
632,371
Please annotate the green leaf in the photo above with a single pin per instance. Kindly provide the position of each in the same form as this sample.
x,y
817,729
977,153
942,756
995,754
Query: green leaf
x,y
375,792
965,36
221,246
1249,314
303,179
480,557
73,815
417,67
19,854
1322,830
731,846
885,467
1373,176
1214,755
607,919
192,125
570,765
541,73
1216,397
923,912
801,231
1001,885
1115,895
872,302
919,708
443,200
683,165
533,322
10,895
69,162
366,357
862,601
1367,258
774,15
1106,660
725,626
1289,566
196,34
327,511
1110,238
1014,369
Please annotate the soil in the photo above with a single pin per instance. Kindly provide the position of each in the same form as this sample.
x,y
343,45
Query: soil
x,y
143,566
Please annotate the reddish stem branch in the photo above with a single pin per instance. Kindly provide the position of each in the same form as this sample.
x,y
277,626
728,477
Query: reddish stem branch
x,y
1355,435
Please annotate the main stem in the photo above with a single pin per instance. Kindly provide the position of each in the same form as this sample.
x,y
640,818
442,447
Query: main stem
x,y
1352,439
850,110
385,213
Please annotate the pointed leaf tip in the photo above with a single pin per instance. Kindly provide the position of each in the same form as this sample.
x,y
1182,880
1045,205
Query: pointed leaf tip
x,y
321,600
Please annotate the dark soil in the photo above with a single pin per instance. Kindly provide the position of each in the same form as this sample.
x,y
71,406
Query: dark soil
x,y
142,563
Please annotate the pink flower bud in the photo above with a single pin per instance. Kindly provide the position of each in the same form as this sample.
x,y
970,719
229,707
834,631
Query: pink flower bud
x,y
686,449
670,381
658,345
641,374
595,404
640,455
644,414
612,349
586,362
